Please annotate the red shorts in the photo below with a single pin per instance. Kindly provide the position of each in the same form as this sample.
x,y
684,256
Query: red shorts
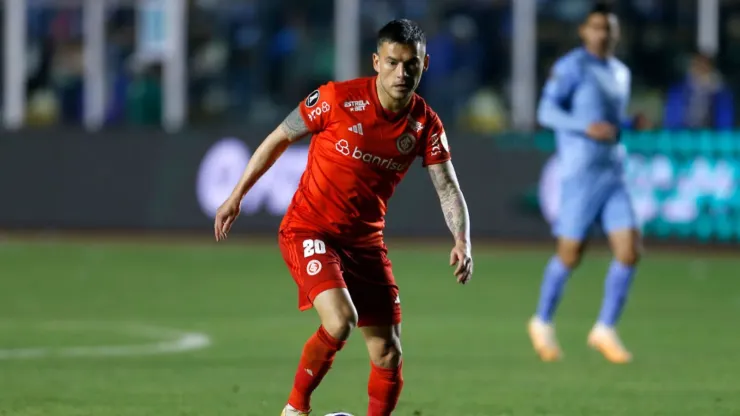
x,y
317,264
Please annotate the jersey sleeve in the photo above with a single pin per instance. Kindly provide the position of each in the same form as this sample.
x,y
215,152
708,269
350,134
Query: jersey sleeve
x,y
318,107
435,147
563,80
552,110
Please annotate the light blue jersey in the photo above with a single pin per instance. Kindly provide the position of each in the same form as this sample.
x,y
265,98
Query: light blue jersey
x,y
585,89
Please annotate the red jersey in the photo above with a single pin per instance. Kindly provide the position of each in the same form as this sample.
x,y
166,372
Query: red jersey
x,y
358,154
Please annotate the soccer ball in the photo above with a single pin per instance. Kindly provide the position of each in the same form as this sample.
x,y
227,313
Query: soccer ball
x,y
339,414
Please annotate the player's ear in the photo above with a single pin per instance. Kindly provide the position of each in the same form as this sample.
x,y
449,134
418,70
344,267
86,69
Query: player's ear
x,y
581,31
426,62
376,62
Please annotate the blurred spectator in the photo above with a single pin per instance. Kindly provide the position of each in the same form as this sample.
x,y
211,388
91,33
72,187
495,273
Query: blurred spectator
x,y
455,66
67,78
144,97
485,113
253,60
647,105
701,100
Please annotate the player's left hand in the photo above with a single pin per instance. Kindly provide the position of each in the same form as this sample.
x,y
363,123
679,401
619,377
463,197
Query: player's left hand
x,y
461,257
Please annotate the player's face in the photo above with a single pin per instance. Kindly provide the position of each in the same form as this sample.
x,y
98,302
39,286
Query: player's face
x,y
700,68
399,67
600,33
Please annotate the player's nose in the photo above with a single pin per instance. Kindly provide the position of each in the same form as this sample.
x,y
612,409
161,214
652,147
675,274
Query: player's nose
x,y
401,72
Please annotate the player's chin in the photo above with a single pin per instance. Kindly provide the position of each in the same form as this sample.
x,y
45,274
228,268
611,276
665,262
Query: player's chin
x,y
401,93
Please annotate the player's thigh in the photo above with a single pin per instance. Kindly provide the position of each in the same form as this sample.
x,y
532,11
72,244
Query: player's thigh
x,y
383,344
618,212
316,268
314,264
620,225
368,274
579,208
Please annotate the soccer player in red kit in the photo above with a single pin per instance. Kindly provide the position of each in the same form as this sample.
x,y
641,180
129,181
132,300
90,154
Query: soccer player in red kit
x,y
366,134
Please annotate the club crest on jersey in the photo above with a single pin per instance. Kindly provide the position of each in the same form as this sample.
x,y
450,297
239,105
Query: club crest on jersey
x,y
406,143
313,267
312,99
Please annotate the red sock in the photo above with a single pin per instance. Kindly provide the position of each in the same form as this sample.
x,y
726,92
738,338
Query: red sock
x,y
318,355
384,389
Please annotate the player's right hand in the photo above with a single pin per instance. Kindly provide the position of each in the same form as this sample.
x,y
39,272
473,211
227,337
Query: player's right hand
x,y
602,131
225,217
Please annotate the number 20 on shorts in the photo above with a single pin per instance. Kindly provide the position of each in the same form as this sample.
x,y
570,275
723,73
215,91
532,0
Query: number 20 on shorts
x,y
311,247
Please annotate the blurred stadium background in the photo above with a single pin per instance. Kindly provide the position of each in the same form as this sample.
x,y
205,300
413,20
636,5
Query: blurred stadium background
x,y
126,123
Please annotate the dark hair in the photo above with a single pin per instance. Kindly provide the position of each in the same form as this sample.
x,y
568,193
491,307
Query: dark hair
x,y
601,7
402,31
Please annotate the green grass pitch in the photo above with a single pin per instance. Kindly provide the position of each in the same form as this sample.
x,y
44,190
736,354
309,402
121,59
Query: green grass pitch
x,y
466,348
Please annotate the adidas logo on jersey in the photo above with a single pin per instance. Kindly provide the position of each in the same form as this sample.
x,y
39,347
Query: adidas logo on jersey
x,y
357,129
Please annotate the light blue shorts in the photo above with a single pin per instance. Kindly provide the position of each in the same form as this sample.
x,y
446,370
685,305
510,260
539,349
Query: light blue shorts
x,y
582,207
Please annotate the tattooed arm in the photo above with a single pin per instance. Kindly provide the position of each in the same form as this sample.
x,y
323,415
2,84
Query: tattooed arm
x,y
289,131
293,127
453,203
456,215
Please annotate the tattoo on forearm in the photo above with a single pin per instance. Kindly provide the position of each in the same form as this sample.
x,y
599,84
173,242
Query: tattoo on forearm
x,y
294,126
451,198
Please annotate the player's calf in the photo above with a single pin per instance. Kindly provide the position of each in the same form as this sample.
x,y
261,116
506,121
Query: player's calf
x,y
316,360
338,318
555,276
383,346
386,378
558,270
626,246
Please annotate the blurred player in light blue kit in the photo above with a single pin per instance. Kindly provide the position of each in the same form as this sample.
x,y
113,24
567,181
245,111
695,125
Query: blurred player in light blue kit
x,y
585,102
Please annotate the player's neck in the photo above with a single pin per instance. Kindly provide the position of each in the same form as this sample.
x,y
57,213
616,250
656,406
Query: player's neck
x,y
600,54
387,102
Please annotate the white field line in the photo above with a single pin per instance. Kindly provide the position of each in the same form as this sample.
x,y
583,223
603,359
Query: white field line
x,y
163,341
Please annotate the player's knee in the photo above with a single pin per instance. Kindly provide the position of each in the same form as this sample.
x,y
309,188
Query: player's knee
x,y
385,353
570,256
626,246
337,312
340,323
629,256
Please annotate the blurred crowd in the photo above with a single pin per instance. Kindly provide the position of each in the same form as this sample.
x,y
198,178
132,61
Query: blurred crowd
x,y
253,60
